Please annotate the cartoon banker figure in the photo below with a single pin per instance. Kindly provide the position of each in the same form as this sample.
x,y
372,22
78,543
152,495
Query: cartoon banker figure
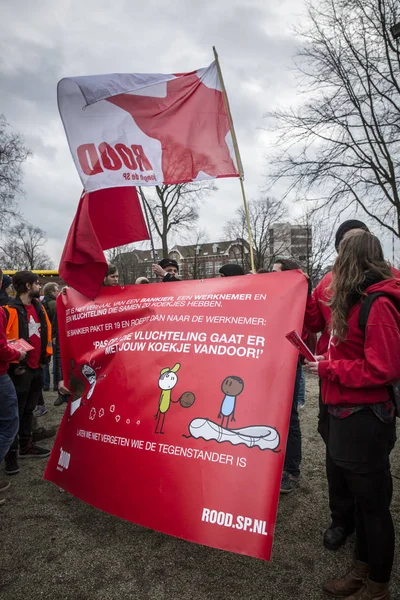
x,y
232,386
168,380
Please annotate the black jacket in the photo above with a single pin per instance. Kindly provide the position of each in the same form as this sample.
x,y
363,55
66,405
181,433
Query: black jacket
x,y
23,325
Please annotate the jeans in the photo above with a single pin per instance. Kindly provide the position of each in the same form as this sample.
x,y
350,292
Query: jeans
x,y
29,390
8,414
301,398
293,445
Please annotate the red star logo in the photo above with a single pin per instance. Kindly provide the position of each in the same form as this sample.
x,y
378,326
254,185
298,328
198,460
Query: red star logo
x,y
191,124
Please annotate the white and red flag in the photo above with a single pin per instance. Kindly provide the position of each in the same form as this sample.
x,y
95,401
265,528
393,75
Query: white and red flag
x,y
147,129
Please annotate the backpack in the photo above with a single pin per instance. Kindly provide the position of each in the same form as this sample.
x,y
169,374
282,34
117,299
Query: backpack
x,y
366,303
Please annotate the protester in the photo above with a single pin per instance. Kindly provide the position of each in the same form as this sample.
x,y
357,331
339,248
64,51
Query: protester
x,y
167,270
8,396
142,280
356,371
291,468
28,320
49,302
230,270
5,291
317,318
112,277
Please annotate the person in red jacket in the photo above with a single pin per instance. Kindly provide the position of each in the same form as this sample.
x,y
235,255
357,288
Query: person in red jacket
x,y
8,396
317,318
356,372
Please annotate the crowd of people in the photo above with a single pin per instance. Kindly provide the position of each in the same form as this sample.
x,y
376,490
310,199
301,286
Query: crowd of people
x,y
354,312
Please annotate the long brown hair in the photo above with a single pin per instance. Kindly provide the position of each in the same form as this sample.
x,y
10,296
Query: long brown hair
x,y
360,256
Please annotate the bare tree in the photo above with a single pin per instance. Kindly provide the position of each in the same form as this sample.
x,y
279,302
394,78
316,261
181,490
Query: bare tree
x,y
13,153
263,214
175,207
23,248
196,268
342,145
320,248
125,259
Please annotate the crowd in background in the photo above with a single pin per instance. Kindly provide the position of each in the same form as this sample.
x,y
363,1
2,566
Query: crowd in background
x,y
357,360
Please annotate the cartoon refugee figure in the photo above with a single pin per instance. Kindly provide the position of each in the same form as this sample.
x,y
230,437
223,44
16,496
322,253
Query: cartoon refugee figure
x,y
263,437
167,381
231,386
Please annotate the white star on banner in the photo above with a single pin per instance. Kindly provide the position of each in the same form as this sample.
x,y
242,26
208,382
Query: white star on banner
x,y
34,328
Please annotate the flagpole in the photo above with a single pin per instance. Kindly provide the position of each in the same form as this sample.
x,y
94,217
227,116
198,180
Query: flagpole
x,y
148,223
237,155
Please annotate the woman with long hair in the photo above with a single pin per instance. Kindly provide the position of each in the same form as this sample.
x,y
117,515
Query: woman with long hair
x,y
356,374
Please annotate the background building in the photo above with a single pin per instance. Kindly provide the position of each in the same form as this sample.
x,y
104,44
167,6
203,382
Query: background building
x,y
196,261
291,241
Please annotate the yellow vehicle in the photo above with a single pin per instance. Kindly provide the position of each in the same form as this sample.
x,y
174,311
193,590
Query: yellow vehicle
x,y
41,273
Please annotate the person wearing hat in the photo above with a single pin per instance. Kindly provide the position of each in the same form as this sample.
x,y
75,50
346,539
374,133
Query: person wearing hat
x,y
6,289
231,270
167,270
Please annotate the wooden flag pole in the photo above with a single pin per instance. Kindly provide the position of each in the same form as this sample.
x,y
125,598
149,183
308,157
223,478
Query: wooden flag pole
x,y
148,223
237,156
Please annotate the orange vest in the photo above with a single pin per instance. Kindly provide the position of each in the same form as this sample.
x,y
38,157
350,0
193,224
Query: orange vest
x,y
12,330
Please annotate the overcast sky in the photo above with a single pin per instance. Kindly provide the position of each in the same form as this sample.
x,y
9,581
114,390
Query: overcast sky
x,y
41,42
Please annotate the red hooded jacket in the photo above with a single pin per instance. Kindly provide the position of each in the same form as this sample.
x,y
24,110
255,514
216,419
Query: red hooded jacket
x,y
358,370
7,354
318,313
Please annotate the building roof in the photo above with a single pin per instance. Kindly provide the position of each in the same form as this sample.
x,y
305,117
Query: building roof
x,y
189,251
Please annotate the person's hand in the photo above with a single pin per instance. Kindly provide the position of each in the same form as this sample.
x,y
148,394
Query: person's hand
x,y
313,366
22,355
159,271
64,391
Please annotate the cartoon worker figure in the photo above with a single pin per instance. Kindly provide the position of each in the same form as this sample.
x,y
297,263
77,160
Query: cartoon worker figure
x,y
232,386
168,380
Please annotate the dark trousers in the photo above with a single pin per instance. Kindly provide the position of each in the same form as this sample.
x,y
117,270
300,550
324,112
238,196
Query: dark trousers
x,y
374,525
341,500
46,377
293,446
29,390
360,446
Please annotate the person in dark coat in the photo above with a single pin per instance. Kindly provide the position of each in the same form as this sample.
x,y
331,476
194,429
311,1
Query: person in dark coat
x,y
5,291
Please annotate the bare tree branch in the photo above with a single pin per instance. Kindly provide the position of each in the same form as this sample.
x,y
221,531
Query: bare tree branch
x,y
342,145
23,248
175,208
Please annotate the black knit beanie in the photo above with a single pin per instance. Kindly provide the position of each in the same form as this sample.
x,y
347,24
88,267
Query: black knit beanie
x,y
6,282
168,262
348,226
231,269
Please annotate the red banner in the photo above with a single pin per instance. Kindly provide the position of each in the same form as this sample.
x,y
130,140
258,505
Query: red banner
x,y
181,396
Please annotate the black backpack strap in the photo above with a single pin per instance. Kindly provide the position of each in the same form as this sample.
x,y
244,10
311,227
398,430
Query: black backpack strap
x,y
366,304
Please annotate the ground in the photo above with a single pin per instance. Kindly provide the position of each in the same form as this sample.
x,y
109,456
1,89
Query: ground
x,y
56,547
